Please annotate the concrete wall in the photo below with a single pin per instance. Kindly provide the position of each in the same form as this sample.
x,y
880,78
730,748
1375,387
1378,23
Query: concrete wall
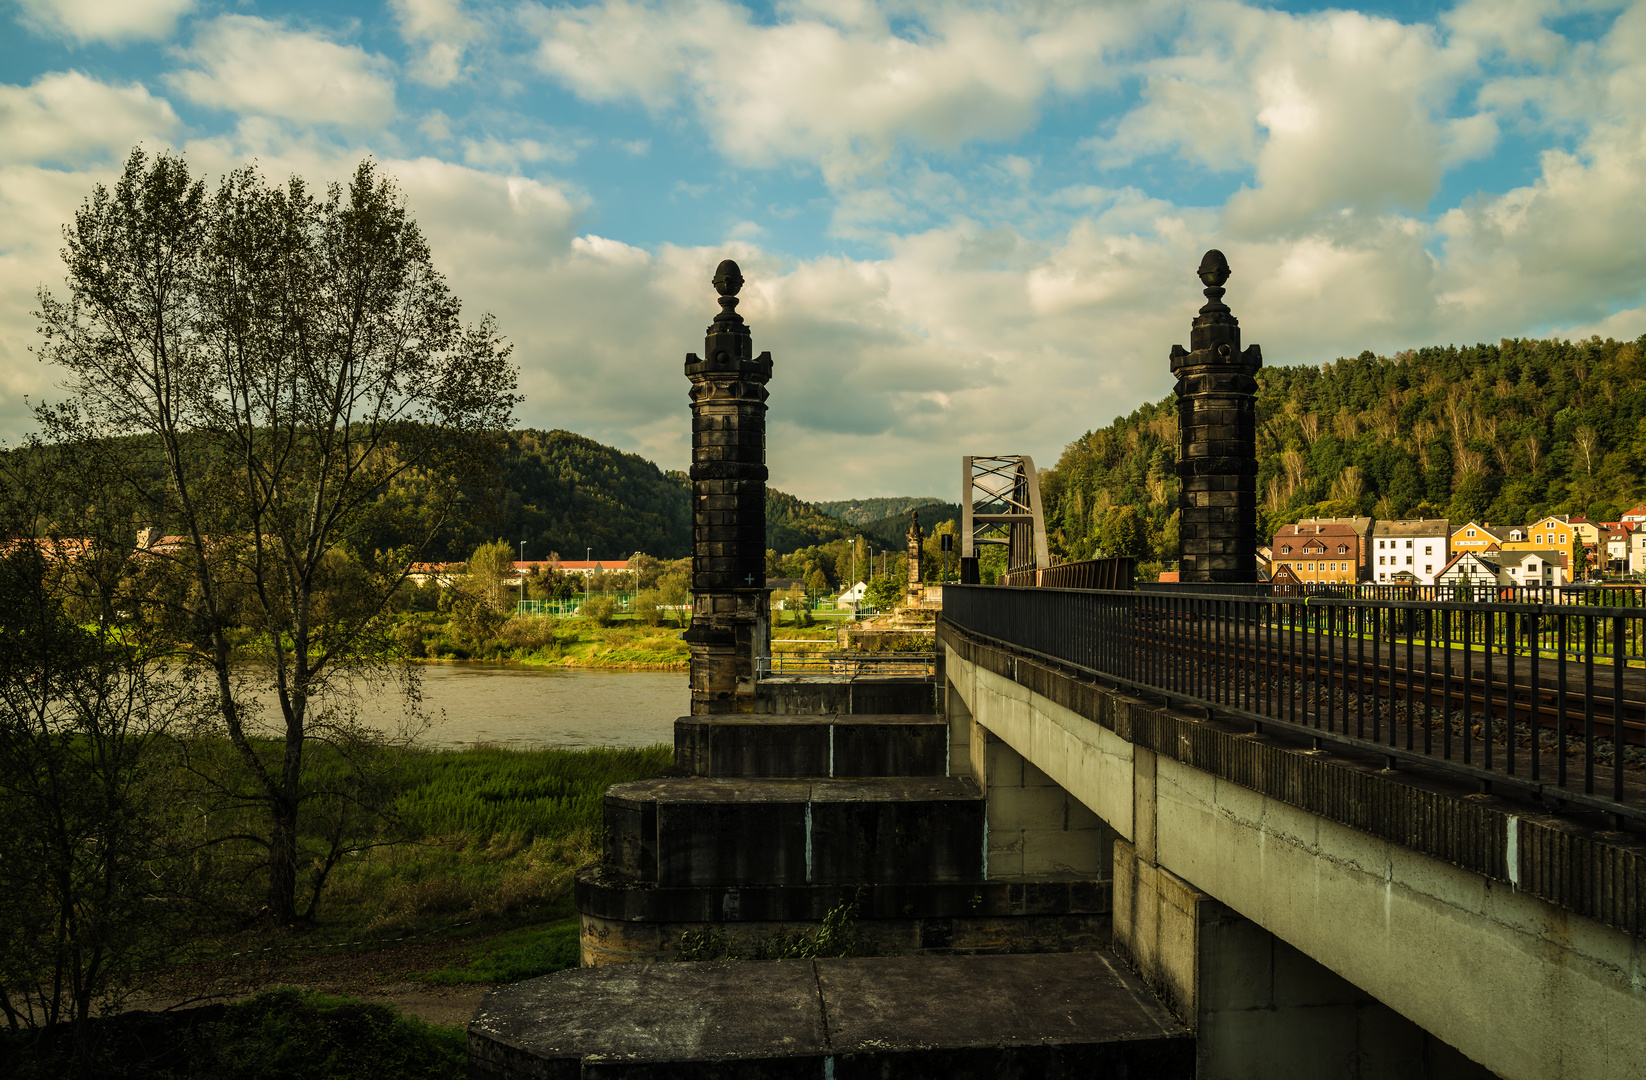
x,y
1523,986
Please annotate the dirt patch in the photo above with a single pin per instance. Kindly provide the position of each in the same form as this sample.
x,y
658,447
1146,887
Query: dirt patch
x,y
384,974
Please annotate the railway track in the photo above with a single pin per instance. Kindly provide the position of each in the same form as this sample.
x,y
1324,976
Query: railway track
x,y
1472,682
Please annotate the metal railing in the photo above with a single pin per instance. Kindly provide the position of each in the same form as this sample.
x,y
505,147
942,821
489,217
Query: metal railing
x,y
849,664
1548,698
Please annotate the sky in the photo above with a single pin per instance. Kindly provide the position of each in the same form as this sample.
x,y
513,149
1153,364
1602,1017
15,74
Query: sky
x,y
965,227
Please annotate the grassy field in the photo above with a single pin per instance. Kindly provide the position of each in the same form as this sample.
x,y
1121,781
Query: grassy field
x,y
627,643
495,834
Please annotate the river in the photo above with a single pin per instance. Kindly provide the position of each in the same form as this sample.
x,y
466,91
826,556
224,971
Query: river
x,y
513,706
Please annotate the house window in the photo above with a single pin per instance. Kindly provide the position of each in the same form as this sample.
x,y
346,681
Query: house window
x,y
1539,538
1380,560
1342,549
1285,549
1428,549
1428,568
1408,545
1408,560
1562,538
1471,532
1380,545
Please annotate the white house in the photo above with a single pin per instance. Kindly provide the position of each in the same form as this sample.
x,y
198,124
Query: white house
x,y
850,599
1532,568
1470,568
1416,547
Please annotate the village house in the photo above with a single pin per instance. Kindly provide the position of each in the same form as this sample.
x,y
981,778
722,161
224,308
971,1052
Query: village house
x,y
1470,569
1634,516
1362,527
1284,582
1319,551
1588,533
852,598
1417,547
1613,548
1519,567
1478,537
1553,532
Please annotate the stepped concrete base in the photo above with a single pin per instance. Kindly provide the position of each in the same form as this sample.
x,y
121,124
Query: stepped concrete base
x,y
707,832
625,920
839,745
813,695
990,1018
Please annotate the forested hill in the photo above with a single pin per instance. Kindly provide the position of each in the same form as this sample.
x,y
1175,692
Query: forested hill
x,y
873,511
567,494
1501,433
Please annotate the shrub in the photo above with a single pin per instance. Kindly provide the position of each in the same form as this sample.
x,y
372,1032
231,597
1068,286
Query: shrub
x,y
599,610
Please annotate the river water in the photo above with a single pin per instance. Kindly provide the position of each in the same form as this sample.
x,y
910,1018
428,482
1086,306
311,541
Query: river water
x,y
508,705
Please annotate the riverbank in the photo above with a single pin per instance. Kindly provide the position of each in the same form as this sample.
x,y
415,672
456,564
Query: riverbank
x,y
628,644
478,893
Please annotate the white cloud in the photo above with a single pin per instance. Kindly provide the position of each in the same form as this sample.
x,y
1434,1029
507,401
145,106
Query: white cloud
x,y
830,83
250,65
113,21
442,31
70,118
1324,111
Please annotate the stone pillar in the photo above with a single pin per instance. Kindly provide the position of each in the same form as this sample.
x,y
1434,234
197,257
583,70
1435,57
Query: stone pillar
x,y
1217,453
917,588
731,613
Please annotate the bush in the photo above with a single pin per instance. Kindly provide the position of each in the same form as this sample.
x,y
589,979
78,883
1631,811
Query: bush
x,y
599,610
649,607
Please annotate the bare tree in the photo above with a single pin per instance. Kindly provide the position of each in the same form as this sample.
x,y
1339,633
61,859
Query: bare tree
x,y
283,383
1586,441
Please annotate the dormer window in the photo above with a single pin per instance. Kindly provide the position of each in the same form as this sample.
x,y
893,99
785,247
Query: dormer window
x,y
1342,549
1285,549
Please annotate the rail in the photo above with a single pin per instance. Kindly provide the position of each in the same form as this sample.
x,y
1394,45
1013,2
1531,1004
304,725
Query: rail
x,y
849,664
1545,698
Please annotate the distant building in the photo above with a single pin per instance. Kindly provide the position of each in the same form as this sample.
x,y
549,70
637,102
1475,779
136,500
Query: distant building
x,y
1470,569
1532,568
1362,528
1284,582
1634,516
852,598
1477,537
1415,547
1318,551
1614,546
1553,532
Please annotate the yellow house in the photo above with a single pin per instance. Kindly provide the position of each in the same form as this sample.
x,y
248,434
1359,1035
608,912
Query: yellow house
x,y
1478,538
1552,533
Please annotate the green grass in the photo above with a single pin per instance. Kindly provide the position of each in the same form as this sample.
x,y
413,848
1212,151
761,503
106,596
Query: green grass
x,y
530,794
499,836
521,954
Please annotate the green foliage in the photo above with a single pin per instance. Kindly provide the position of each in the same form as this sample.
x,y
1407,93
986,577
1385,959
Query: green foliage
x,y
883,593
870,511
565,493
599,609
792,523
521,954
1506,432
486,791
287,1034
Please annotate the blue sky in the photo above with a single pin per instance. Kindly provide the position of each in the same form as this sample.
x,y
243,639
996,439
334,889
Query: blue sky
x,y
967,227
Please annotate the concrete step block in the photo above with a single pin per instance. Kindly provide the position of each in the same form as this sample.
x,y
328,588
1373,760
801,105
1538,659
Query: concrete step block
x,y
823,746
955,1017
705,831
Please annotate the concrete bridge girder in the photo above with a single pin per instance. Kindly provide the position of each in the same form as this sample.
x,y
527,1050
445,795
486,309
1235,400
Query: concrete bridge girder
x,y
1217,884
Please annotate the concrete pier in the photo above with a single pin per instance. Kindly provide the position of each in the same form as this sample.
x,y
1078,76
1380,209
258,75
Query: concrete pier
x,y
955,1018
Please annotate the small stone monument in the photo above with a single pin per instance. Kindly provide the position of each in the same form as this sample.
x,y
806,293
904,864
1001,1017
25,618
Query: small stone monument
x,y
1217,452
917,587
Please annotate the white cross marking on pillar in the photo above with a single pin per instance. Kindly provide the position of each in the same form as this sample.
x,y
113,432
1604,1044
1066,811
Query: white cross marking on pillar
x,y
748,580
